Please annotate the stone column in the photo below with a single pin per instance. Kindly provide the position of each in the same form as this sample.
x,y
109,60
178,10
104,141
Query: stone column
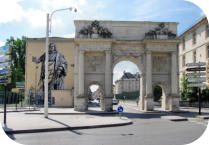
x,y
174,73
174,99
81,72
142,92
107,100
148,105
81,100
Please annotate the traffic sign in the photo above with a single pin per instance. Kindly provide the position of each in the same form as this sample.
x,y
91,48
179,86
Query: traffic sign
x,y
4,58
196,69
202,79
196,64
196,85
20,84
4,49
4,72
120,109
4,80
196,74
4,65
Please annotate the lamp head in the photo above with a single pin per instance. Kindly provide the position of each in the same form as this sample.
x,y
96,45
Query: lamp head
x,y
71,8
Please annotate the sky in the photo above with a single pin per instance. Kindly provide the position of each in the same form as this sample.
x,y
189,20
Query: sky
x,y
28,17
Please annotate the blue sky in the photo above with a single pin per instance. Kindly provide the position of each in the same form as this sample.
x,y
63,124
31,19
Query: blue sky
x,y
28,17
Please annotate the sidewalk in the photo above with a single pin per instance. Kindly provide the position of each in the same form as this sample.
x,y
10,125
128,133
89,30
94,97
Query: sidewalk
x,y
20,122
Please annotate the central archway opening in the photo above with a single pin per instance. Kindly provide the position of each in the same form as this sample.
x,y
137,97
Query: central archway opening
x,y
95,93
126,83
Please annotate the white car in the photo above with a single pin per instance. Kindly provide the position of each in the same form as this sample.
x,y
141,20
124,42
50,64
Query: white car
x,y
115,101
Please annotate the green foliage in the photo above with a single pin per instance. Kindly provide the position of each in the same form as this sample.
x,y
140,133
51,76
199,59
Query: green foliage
x,y
157,93
18,60
205,95
184,90
128,95
191,94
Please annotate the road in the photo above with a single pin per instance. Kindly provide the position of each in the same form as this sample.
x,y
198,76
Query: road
x,y
147,129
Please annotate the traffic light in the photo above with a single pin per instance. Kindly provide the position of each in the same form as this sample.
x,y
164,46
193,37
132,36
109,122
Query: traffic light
x,y
5,63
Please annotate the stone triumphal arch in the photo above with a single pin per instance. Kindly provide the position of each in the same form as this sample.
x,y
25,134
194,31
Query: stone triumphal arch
x,y
152,46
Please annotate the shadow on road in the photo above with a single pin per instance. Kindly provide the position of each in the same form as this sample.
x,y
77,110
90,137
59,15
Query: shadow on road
x,y
76,132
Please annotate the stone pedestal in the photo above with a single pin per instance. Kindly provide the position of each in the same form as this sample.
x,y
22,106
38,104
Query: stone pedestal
x,y
81,103
62,98
107,104
141,103
94,36
164,103
174,102
148,103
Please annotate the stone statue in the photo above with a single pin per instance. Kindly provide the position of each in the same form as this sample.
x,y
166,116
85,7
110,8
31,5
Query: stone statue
x,y
57,69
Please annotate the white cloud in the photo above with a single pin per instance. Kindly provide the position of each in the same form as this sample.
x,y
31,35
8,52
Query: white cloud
x,y
82,2
10,10
55,4
37,18
71,35
94,88
117,74
2,44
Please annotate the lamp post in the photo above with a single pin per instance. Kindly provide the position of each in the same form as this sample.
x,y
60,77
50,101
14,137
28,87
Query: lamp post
x,y
48,30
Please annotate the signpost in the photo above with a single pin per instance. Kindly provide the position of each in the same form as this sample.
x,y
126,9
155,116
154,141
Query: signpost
x,y
5,79
120,110
196,78
196,69
200,79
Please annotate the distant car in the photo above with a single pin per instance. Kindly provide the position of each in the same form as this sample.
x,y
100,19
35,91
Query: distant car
x,y
115,101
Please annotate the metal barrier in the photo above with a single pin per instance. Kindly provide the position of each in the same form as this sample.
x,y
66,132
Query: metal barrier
x,y
12,98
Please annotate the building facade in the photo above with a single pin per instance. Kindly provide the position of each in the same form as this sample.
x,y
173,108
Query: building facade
x,y
127,83
194,45
89,58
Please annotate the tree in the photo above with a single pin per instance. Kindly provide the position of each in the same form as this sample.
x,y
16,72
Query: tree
x,y
18,60
184,90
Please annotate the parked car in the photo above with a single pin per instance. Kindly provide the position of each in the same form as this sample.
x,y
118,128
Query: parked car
x,y
115,101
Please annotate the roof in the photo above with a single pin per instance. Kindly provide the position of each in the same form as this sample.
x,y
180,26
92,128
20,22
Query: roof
x,y
128,75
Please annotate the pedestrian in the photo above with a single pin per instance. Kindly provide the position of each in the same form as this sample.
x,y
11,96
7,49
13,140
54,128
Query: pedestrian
x,y
137,101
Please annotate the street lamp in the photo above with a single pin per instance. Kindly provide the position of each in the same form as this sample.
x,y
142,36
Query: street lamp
x,y
48,30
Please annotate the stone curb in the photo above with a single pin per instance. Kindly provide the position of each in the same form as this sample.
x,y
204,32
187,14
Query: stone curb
x,y
80,113
19,111
202,117
66,128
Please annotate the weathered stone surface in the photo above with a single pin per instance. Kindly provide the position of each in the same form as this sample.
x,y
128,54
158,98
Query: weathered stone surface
x,y
155,59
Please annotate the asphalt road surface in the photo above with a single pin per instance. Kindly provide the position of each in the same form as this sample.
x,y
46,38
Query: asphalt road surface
x,y
147,129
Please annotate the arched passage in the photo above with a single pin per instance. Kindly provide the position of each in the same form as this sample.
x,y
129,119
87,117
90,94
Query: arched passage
x,y
95,94
127,72
159,97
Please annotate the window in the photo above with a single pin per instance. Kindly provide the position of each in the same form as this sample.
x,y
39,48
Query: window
x,y
183,44
194,38
194,56
183,60
207,31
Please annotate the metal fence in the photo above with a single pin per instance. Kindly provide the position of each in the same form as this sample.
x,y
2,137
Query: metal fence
x,y
31,99
38,99
12,98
